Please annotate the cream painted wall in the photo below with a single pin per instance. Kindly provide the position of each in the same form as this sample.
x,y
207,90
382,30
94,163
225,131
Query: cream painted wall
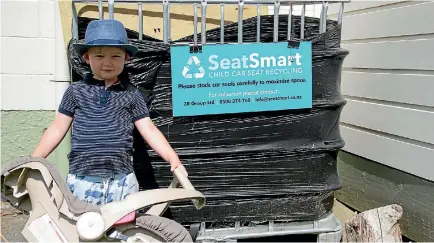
x,y
388,81
312,10
28,53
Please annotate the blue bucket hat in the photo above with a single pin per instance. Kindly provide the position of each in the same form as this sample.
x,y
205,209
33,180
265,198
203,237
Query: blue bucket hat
x,y
107,32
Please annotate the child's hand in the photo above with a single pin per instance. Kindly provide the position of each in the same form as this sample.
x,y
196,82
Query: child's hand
x,y
177,164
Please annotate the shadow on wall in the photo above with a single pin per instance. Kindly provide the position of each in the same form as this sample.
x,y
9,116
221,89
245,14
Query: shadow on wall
x,y
182,17
155,14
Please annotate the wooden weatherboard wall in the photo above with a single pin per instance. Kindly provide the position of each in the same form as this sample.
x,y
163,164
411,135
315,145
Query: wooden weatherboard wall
x,y
388,82
368,184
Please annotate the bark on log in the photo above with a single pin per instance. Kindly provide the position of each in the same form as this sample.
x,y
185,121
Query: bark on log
x,y
375,225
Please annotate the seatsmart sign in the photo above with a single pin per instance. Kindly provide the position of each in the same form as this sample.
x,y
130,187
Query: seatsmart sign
x,y
234,78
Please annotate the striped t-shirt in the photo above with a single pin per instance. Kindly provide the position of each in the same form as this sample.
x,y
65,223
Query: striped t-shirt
x,y
102,128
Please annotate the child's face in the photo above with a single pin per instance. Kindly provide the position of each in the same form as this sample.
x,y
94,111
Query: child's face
x,y
106,62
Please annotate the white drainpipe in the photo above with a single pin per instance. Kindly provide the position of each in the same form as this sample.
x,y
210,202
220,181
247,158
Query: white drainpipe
x,y
62,79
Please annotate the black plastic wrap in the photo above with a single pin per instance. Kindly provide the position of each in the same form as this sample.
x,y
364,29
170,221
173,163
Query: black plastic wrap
x,y
278,165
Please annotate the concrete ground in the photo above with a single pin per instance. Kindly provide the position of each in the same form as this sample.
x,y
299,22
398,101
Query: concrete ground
x,y
12,223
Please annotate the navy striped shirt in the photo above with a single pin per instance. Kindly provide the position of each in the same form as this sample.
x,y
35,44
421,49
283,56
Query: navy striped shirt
x,y
102,128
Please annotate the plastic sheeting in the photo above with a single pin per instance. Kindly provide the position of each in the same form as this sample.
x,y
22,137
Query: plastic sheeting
x,y
278,165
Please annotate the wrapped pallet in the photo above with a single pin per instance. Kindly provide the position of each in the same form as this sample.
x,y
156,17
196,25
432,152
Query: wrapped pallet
x,y
251,166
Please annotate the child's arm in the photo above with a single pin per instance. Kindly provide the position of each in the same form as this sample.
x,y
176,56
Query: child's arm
x,y
53,136
151,134
156,140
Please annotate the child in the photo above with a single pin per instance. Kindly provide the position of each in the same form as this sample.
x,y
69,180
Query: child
x,y
103,109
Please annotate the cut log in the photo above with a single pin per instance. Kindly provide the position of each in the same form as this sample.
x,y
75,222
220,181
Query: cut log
x,y
375,225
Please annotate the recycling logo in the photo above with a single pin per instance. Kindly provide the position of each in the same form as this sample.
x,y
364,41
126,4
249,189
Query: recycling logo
x,y
201,70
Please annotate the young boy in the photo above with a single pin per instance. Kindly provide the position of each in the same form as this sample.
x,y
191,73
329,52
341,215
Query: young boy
x,y
103,110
